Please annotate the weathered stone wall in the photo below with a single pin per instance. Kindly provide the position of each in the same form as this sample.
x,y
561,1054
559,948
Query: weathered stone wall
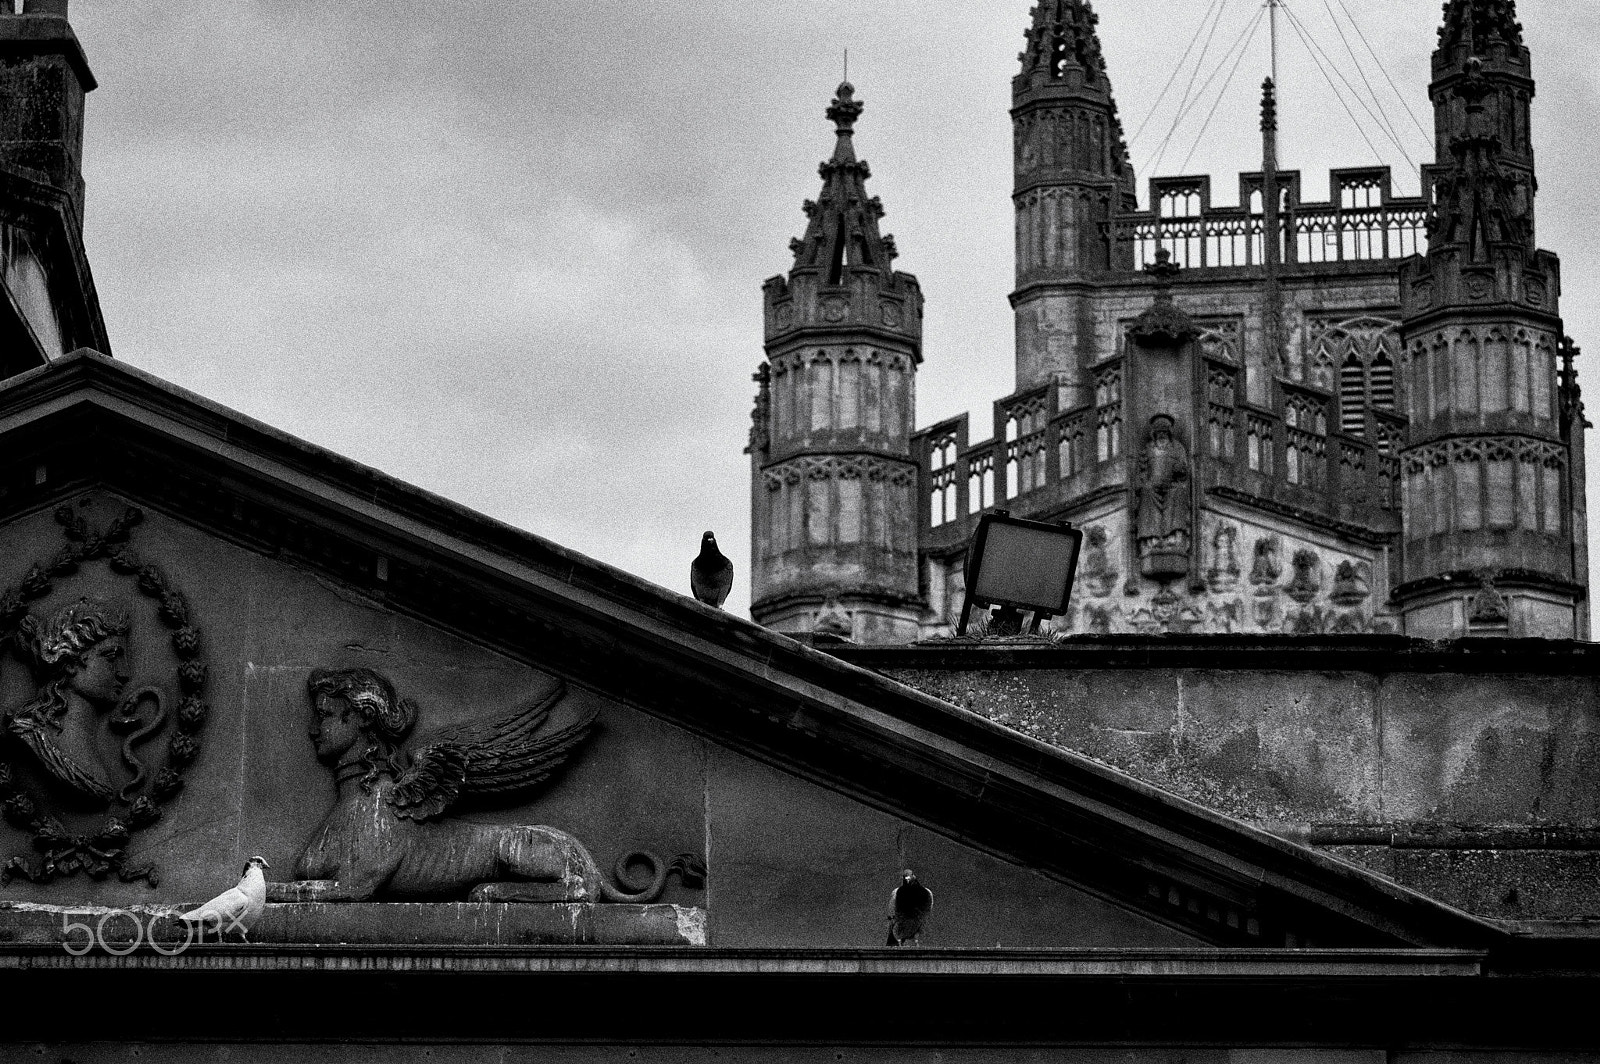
x,y
1468,770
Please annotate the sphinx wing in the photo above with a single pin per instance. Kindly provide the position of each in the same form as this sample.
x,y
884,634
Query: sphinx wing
x,y
521,749
431,784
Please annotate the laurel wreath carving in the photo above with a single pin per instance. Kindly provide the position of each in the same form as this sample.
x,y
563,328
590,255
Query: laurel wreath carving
x,y
104,853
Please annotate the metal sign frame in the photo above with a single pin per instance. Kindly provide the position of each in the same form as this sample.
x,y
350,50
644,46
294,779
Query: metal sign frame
x,y
974,566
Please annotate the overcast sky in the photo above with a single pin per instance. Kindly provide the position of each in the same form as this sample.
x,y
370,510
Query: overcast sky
x,y
512,253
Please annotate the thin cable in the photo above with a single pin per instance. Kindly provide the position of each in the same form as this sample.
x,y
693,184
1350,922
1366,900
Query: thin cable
x,y
1249,29
1183,102
1173,77
1218,101
1394,134
1294,24
1385,69
1313,43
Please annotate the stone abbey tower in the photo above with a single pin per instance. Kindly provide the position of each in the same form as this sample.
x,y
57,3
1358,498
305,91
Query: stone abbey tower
x,y
1279,416
834,476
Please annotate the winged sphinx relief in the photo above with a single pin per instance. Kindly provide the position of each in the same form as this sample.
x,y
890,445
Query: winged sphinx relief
x,y
388,835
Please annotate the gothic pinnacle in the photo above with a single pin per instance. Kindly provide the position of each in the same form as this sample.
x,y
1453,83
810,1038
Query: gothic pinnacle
x,y
1480,22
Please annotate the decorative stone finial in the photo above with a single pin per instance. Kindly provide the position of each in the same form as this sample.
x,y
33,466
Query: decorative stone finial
x,y
845,109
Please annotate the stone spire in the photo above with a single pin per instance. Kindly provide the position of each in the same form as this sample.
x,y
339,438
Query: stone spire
x,y
1072,176
1493,462
833,479
1063,45
842,231
1477,24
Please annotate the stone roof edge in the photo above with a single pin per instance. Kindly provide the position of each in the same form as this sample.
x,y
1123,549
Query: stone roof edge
x,y
1375,653
839,695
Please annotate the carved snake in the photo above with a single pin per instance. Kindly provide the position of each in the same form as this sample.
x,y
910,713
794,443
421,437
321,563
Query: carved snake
x,y
126,718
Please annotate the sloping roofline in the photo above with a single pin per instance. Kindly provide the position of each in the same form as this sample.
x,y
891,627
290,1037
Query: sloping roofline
x,y
90,421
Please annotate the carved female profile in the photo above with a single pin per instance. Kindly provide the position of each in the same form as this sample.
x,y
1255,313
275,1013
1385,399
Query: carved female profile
x,y
78,654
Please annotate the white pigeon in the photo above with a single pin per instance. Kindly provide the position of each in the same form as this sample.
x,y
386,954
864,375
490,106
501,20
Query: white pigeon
x,y
236,907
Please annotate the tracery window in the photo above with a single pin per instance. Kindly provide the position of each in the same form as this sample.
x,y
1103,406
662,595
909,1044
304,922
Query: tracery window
x,y
1108,413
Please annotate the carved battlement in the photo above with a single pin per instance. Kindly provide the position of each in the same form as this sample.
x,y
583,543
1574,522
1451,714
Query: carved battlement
x,y
1362,220
1042,458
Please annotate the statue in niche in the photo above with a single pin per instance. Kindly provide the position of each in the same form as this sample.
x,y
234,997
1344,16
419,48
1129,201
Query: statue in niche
x,y
1099,575
1268,565
1352,583
387,833
1224,572
79,654
1307,579
1162,521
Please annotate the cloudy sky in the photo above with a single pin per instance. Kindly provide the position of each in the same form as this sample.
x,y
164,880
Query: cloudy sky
x,y
512,253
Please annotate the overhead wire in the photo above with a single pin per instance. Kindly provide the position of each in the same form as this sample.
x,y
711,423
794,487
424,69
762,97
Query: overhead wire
x,y
1176,70
1315,46
1237,42
1326,64
1294,24
1254,28
1394,133
1384,68
1183,101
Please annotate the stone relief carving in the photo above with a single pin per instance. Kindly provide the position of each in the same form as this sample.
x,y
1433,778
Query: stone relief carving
x,y
1099,575
1226,616
1307,580
1488,607
1098,619
387,835
1224,572
1352,584
1163,519
833,619
59,764
1268,566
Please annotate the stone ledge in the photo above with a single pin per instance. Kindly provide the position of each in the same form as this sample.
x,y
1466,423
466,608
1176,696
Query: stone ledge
x,y
372,923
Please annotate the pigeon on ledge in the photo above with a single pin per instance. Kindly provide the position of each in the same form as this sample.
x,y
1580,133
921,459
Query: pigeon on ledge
x,y
909,906
711,573
236,907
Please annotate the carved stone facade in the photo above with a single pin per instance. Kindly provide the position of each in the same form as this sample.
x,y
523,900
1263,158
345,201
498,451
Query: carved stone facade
x,y
1375,410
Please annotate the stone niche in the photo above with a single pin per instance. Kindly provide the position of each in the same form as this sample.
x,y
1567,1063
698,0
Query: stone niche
x,y
788,861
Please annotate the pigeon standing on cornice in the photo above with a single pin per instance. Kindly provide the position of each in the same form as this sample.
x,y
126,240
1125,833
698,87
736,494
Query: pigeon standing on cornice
x,y
909,906
237,907
711,573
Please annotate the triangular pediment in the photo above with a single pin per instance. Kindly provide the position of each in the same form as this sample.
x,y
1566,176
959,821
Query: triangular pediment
x,y
803,784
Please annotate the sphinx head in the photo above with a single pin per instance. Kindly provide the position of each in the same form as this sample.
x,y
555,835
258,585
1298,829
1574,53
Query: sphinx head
x,y
356,716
